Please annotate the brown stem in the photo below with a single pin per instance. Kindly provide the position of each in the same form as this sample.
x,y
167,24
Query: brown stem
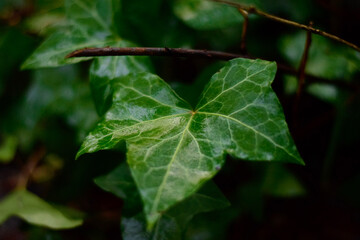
x,y
142,51
31,164
301,76
303,62
254,10
244,30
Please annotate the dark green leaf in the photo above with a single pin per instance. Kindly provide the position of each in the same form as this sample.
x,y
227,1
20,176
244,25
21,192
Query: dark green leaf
x,y
173,150
105,70
90,25
53,92
120,182
173,222
36,211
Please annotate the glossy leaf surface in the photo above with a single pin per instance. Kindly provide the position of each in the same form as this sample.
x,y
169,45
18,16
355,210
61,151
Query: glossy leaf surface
x,y
90,25
36,211
173,150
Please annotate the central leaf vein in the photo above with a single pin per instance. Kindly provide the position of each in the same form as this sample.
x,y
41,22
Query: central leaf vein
x,y
162,185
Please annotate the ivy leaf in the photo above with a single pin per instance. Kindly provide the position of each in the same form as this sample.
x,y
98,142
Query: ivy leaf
x,y
36,211
173,150
90,25
173,223
105,70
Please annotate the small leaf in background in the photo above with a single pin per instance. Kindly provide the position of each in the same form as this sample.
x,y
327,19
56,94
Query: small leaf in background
x,y
207,15
90,26
173,150
53,92
35,211
121,183
137,20
104,71
280,182
326,59
8,146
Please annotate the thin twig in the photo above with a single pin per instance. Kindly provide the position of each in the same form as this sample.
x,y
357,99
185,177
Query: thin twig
x,y
301,76
142,51
215,55
244,30
254,10
303,62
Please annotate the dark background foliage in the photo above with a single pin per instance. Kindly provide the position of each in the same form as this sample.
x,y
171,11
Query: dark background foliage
x,y
52,109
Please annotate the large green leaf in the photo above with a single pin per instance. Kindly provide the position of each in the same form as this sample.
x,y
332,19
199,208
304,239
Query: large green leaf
x,y
105,70
36,211
90,24
173,150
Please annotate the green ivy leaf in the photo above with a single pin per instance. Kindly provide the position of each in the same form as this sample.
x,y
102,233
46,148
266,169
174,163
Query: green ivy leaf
x,y
105,70
172,224
173,150
35,211
90,25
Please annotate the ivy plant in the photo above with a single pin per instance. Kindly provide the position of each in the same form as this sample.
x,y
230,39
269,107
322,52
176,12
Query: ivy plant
x,y
173,149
